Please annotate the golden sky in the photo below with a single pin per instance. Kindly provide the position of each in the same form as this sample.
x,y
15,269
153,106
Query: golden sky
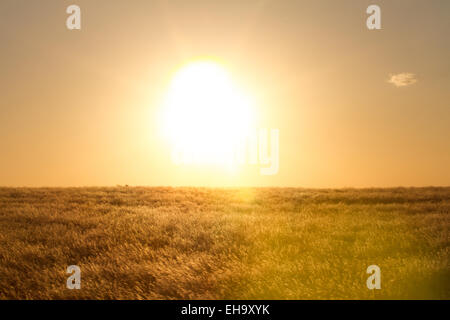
x,y
354,107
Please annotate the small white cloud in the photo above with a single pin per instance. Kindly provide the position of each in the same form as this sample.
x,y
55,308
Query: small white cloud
x,y
402,79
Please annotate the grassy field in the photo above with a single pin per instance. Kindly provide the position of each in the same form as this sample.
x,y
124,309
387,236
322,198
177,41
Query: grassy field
x,y
199,243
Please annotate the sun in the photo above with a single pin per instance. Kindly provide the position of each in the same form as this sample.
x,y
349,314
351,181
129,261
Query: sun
x,y
206,116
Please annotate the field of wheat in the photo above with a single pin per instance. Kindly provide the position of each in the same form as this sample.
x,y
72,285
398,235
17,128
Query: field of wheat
x,y
201,243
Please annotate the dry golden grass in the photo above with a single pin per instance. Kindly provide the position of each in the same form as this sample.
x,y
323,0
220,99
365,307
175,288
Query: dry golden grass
x,y
198,243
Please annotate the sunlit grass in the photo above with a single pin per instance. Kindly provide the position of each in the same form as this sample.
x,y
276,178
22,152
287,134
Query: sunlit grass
x,y
194,243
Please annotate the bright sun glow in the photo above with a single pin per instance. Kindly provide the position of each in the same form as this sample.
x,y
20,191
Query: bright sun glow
x,y
205,115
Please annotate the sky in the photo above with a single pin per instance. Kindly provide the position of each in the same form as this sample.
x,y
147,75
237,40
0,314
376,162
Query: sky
x,y
353,107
